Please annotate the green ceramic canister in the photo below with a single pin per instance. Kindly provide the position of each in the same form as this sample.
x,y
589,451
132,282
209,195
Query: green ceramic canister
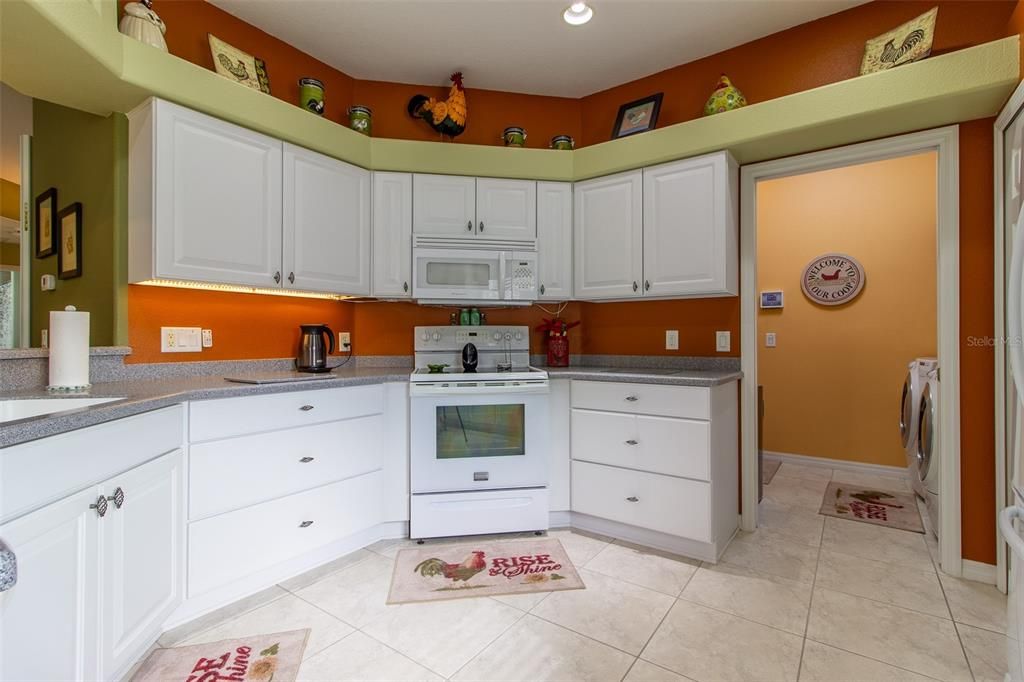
x,y
464,316
311,95
563,142
514,136
474,317
360,119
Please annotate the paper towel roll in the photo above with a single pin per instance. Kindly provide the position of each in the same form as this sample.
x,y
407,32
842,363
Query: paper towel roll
x,y
69,349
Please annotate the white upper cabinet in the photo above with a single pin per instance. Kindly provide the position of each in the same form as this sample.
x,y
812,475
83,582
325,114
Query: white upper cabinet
x,y
392,235
554,240
326,224
506,209
690,227
608,237
444,205
205,199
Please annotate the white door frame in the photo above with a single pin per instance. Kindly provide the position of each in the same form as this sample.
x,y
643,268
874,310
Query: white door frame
x,y
1015,103
945,141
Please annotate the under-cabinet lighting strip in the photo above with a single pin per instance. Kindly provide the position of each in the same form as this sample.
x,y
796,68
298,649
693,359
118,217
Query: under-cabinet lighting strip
x,y
238,289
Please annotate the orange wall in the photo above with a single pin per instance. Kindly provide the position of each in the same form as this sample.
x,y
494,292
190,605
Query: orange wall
x,y
832,384
638,328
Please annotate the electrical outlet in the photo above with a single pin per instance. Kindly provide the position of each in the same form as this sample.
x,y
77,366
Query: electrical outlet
x,y
671,339
181,339
769,340
344,341
723,342
207,338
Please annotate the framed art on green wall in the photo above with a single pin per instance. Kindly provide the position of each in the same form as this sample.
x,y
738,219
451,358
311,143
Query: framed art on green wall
x,y
69,255
47,228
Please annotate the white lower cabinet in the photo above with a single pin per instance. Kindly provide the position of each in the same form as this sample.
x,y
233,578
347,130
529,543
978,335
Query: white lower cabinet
x,y
93,590
656,464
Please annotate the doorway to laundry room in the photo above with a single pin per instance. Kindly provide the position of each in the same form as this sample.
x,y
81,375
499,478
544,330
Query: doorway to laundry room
x,y
846,347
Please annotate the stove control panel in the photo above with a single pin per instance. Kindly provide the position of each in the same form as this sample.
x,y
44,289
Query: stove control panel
x,y
487,337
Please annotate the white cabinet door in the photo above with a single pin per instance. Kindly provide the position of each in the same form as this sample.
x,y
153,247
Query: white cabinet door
x,y
554,240
142,559
506,209
560,448
48,620
217,213
326,224
443,205
690,227
392,235
608,236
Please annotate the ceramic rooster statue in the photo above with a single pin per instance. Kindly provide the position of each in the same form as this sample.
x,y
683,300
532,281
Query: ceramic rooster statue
x,y
447,117
473,564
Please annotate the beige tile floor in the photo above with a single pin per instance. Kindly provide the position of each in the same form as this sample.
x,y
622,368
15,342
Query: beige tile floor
x,y
806,597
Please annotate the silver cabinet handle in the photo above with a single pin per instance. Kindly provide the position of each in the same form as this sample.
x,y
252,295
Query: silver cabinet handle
x,y
481,226
277,277
306,460
632,398
647,285
306,408
632,442
405,286
541,289
291,278
305,524
100,506
632,499
469,225
117,498
635,286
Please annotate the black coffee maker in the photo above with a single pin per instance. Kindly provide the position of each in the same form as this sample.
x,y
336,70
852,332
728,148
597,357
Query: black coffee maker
x,y
470,358
313,351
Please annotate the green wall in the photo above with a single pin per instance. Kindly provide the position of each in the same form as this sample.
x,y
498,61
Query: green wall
x,y
9,200
85,157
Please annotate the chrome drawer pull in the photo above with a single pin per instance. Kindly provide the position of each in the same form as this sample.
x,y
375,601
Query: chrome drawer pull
x,y
117,498
632,499
306,408
306,460
632,442
632,398
305,524
100,506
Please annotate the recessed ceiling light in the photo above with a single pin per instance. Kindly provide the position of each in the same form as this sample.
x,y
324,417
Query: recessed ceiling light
x,y
577,14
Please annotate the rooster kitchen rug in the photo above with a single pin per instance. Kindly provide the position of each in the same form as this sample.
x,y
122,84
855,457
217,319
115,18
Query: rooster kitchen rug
x,y
483,569
880,507
259,658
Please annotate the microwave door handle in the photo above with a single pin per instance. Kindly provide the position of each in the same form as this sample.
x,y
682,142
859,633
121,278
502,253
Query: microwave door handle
x,y
504,290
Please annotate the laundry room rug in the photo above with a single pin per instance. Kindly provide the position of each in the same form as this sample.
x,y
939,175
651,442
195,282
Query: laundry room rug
x,y
880,507
769,468
258,658
483,569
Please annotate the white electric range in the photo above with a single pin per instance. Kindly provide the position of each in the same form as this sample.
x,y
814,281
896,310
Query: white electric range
x,y
479,440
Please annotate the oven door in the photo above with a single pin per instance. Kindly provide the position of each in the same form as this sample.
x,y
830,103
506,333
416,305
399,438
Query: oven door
x,y
456,274
474,438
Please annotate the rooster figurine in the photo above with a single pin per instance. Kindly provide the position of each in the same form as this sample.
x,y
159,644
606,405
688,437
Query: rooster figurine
x,y
473,564
447,117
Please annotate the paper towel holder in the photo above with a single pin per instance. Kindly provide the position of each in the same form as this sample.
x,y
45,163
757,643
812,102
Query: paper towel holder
x,y
77,355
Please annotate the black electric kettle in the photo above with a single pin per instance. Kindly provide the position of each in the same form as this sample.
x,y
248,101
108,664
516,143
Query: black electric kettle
x,y
312,355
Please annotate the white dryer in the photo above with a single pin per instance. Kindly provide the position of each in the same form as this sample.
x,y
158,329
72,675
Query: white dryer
x,y
910,404
928,454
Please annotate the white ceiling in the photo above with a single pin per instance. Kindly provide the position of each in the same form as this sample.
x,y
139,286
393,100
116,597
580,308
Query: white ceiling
x,y
520,45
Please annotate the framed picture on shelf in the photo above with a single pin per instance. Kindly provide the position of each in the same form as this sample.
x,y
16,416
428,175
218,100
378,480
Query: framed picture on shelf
x,y
637,117
239,66
47,229
69,255
904,44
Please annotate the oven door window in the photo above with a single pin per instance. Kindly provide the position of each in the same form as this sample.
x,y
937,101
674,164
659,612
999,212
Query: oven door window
x,y
468,431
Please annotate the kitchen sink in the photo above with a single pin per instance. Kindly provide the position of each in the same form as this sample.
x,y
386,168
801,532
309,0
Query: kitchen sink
x,y
10,410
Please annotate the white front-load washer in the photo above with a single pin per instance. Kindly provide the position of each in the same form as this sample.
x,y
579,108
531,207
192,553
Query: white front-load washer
x,y
928,453
910,403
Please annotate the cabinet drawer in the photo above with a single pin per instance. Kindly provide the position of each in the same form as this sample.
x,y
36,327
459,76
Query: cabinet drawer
x,y
233,545
664,445
260,413
691,402
676,506
238,472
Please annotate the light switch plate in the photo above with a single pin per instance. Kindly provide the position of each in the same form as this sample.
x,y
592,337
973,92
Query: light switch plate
x,y
723,342
181,339
671,339
769,340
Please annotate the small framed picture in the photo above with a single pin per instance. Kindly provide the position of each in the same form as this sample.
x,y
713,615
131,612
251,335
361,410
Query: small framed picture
x,y
69,255
47,228
904,44
637,117
239,66
771,299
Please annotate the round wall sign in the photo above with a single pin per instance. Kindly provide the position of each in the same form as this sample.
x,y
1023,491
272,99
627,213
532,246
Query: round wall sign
x,y
832,279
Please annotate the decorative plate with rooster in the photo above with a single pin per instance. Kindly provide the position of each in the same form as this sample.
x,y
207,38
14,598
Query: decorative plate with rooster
x,y
832,279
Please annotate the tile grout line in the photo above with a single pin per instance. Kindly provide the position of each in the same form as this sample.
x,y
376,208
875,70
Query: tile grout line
x,y
810,604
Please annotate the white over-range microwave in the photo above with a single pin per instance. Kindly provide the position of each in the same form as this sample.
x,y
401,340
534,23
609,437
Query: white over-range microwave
x,y
480,271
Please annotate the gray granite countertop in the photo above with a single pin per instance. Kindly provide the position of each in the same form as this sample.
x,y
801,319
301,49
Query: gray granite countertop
x,y
641,375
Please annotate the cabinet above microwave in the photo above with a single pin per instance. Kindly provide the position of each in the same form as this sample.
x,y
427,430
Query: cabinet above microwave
x,y
484,208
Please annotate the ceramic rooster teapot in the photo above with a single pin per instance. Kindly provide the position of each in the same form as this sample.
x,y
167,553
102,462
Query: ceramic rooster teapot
x,y
143,24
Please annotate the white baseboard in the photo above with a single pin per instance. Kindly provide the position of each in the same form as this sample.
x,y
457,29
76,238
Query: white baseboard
x,y
978,572
559,519
859,467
